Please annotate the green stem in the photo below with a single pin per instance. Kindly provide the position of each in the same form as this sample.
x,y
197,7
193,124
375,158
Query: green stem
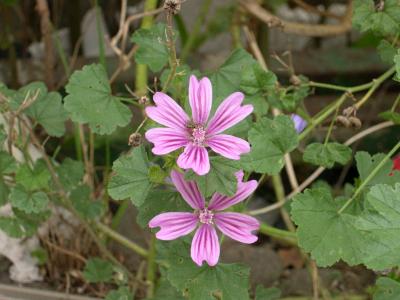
x,y
396,102
151,267
279,234
121,239
328,134
375,84
323,116
372,86
370,177
196,29
119,214
142,70
329,86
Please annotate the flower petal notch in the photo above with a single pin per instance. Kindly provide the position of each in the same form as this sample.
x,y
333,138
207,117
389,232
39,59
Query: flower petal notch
x,y
207,218
198,133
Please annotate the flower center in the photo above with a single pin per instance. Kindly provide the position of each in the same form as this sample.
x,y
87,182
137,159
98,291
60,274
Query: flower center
x,y
198,135
206,216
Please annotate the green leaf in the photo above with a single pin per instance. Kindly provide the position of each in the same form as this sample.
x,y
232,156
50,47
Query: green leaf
x,y
267,294
270,140
224,281
220,179
256,80
90,101
226,80
166,291
16,228
4,191
390,116
326,155
131,179
3,134
122,293
396,60
259,103
158,202
28,202
7,163
47,109
387,289
156,174
327,235
35,179
98,270
152,49
383,225
366,164
384,21
80,198
386,51
70,173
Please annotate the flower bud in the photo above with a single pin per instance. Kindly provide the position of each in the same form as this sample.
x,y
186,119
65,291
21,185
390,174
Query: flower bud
x,y
299,122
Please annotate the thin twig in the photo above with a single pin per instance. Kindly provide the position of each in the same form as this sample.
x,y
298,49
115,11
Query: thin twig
x,y
254,8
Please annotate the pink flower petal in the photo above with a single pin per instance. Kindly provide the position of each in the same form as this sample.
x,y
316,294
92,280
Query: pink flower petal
x,y
174,224
196,158
205,245
188,189
200,99
228,145
244,189
229,113
166,140
237,226
167,112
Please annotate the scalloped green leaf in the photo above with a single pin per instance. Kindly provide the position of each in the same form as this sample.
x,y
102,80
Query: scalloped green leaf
x,y
270,140
28,202
33,179
327,155
89,101
152,49
47,109
382,222
131,177
383,20
323,232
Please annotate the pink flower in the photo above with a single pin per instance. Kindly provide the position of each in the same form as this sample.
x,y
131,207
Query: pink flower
x,y
205,244
196,134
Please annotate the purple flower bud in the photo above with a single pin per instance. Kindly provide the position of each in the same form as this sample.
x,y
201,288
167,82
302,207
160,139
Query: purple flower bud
x,y
299,122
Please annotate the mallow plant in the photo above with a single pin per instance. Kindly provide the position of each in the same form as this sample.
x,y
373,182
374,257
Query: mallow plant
x,y
202,145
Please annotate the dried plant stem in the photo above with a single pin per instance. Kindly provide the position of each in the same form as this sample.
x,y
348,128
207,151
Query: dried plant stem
x,y
254,8
46,29
173,61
